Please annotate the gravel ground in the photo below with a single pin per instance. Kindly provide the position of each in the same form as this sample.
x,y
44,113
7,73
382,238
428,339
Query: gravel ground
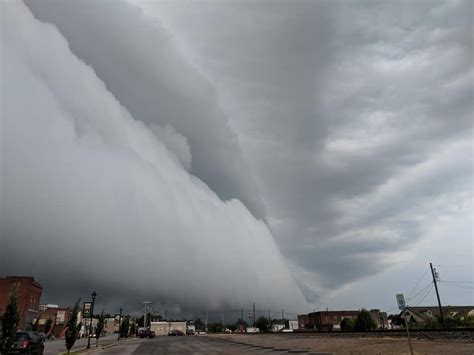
x,y
343,345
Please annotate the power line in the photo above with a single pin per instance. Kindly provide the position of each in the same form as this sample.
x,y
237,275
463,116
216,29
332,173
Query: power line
x,y
425,295
458,282
421,291
421,278
460,265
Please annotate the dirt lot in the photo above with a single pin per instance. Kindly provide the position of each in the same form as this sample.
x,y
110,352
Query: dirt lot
x,y
341,345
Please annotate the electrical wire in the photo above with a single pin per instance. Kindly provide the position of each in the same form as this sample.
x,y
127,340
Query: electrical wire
x,y
425,295
416,285
421,291
465,265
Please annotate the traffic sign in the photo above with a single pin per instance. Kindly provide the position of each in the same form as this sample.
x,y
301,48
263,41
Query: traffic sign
x,y
400,301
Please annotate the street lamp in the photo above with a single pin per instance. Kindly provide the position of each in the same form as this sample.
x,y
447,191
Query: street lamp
x,y
94,294
120,319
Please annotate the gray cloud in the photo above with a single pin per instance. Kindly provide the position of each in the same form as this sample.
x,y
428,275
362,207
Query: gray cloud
x,y
356,117
140,65
93,199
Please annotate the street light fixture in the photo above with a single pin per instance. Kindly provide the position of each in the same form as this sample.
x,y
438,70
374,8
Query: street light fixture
x,y
94,294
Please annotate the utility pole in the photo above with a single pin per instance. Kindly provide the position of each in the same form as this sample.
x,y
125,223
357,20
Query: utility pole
x,y
254,314
120,321
269,321
146,303
242,321
282,314
435,274
223,326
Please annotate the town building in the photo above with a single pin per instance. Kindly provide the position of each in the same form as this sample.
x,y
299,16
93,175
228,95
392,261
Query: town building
x,y
29,296
111,325
52,319
331,320
164,327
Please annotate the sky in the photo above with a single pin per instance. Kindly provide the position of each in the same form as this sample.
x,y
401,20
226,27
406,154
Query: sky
x,y
211,154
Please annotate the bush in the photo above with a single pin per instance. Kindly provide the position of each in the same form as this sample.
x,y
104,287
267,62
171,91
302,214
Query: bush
x,y
364,321
347,324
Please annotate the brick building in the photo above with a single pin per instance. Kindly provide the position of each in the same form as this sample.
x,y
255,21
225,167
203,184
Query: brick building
x,y
29,295
331,320
58,316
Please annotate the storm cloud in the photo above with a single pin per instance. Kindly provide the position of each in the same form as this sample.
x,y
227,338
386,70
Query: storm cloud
x,y
357,119
229,147
93,199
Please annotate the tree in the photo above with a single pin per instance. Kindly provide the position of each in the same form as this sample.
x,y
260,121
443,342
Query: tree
x,y
199,324
34,326
364,321
73,327
133,329
347,324
47,326
216,327
100,328
124,327
10,321
262,323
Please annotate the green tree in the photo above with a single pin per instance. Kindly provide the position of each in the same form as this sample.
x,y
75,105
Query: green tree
x,y
47,326
124,327
199,324
73,327
262,323
364,321
216,327
99,328
10,321
347,324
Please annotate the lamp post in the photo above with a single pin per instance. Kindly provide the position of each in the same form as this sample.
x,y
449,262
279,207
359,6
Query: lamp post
x,y
94,294
120,320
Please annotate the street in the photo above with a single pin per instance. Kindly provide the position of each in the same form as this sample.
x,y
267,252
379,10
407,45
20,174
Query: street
x,y
275,344
186,345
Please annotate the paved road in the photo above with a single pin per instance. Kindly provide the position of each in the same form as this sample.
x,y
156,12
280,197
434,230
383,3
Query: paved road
x,y
196,345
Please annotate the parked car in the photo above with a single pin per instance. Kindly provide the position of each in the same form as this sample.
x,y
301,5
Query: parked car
x,y
151,334
175,333
42,336
27,343
143,333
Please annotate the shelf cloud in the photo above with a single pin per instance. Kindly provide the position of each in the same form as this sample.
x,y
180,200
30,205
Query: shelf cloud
x,y
93,198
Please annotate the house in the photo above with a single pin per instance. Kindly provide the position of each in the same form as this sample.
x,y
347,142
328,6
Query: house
x,y
29,295
426,314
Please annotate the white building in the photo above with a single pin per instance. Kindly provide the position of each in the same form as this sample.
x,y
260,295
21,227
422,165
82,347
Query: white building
x,y
163,328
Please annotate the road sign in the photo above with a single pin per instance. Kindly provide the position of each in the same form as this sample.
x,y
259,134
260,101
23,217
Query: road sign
x,y
86,310
400,301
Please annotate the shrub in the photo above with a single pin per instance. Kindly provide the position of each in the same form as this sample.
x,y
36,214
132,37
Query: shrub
x,y
364,321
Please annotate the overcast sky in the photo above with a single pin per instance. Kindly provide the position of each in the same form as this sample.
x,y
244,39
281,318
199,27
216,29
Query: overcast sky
x,y
208,154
